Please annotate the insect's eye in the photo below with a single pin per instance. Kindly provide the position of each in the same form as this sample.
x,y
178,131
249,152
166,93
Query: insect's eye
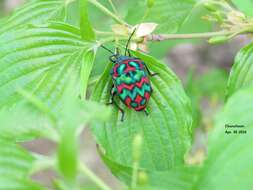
x,y
113,58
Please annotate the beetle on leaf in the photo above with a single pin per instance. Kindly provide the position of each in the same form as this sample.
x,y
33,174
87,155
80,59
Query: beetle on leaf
x,y
130,80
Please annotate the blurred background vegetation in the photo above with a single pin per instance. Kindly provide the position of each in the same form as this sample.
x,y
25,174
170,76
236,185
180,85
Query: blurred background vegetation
x,y
203,68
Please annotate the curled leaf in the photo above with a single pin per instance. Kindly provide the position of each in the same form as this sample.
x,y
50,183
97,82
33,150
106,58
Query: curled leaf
x,y
145,29
241,73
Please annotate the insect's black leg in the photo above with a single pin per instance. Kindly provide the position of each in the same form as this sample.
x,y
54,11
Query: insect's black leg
x,y
146,112
112,101
151,74
112,95
129,53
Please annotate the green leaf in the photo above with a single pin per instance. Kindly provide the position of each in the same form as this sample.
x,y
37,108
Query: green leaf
x,y
178,178
212,83
22,124
169,14
150,3
192,90
15,164
82,111
68,152
236,111
35,119
230,155
123,172
40,60
241,74
85,26
166,131
194,23
86,71
75,113
35,12
245,6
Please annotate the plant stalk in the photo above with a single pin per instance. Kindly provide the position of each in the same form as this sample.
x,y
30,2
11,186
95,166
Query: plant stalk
x,y
134,175
163,37
113,7
87,172
108,12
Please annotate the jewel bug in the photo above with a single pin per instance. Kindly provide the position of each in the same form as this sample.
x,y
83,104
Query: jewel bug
x,y
130,76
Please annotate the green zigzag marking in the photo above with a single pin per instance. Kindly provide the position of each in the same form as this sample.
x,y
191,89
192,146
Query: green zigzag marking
x,y
134,64
121,68
132,94
130,79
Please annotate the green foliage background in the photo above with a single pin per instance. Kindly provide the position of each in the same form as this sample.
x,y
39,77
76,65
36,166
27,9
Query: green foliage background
x,y
49,60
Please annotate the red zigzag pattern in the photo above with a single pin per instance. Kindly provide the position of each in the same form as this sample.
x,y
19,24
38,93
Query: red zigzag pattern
x,y
138,100
131,86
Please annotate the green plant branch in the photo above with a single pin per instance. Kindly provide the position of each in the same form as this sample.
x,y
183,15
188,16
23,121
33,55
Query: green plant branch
x,y
42,163
104,33
87,172
68,2
108,12
162,37
113,7
223,4
135,174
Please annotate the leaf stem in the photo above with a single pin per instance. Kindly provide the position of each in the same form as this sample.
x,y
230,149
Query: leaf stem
x,y
86,171
93,80
135,174
108,12
105,33
68,1
113,7
42,162
163,37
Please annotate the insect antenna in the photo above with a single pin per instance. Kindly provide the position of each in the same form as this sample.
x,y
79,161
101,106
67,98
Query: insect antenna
x,y
102,46
129,39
